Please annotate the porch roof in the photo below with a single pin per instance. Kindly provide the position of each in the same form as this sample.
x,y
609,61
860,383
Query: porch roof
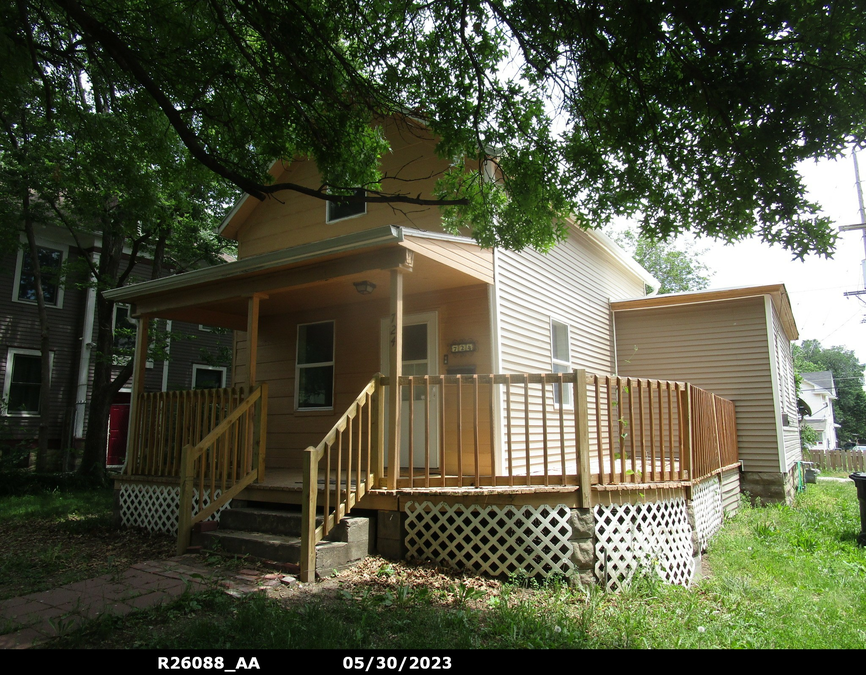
x,y
218,295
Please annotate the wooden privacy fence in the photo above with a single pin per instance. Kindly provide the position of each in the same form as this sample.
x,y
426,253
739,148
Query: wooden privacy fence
x,y
227,459
341,468
836,460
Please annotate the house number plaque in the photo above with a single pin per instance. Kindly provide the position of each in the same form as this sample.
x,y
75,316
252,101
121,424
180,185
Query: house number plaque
x,y
465,347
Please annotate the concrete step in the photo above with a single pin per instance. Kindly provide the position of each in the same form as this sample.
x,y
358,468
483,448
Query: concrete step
x,y
260,519
274,534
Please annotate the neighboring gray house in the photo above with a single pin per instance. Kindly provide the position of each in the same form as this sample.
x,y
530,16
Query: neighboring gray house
x,y
71,309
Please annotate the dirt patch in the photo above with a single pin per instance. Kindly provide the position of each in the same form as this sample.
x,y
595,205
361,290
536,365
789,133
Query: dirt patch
x,y
377,576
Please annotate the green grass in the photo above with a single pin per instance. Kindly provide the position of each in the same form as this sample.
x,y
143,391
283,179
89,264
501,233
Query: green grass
x,y
56,537
69,508
781,578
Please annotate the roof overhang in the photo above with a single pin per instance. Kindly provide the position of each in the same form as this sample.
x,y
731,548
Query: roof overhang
x,y
621,256
777,292
217,295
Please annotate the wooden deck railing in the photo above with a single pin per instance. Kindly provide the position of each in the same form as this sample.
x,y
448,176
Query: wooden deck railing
x,y
228,458
714,432
166,421
563,429
342,468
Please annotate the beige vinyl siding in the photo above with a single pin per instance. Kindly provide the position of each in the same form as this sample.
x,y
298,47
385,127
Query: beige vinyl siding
x,y
787,392
292,219
719,346
462,313
573,284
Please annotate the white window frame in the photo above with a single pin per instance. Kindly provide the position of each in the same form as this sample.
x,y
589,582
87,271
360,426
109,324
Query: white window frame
x,y
328,204
201,366
7,379
19,268
331,363
564,366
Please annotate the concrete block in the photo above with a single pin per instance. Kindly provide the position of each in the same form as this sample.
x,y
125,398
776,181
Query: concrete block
x,y
390,525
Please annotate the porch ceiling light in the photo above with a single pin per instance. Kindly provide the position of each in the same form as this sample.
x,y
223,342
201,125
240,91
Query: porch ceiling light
x,y
364,287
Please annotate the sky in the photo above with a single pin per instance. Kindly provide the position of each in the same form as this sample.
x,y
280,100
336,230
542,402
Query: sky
x,y
816,285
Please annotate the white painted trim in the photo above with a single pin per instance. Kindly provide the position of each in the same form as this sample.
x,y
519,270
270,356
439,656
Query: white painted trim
x,y
11,352
201,366
83,383
774,378
552,318
19,262
619,254
329,220
439,236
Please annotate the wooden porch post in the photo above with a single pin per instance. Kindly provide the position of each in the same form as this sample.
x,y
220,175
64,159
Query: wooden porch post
x,y
139,364
255,424
253,337
395,358
581,418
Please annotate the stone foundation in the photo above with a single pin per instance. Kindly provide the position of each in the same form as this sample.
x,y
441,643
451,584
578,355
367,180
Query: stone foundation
x,y
771,487
583,545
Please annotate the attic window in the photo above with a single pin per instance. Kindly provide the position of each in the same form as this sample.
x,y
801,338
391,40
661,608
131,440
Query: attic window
x,y
342,210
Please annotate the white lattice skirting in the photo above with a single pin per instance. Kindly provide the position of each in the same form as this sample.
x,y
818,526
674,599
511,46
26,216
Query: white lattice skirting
x,y
154,507
650,536
496,540
707,505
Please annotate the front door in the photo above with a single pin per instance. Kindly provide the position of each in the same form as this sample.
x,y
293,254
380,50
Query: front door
x,y
420,357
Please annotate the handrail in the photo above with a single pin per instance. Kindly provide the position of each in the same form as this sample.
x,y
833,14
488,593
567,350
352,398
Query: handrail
x,y
235,450
343,501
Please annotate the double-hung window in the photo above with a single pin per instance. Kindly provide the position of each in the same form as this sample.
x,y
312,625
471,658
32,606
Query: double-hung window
x,y
560,358
314,371
50,266
23,382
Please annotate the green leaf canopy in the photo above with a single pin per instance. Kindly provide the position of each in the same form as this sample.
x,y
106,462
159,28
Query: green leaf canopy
x,y
687,116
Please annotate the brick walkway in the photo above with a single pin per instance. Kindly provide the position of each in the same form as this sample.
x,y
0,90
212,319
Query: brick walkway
x,y
34,618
